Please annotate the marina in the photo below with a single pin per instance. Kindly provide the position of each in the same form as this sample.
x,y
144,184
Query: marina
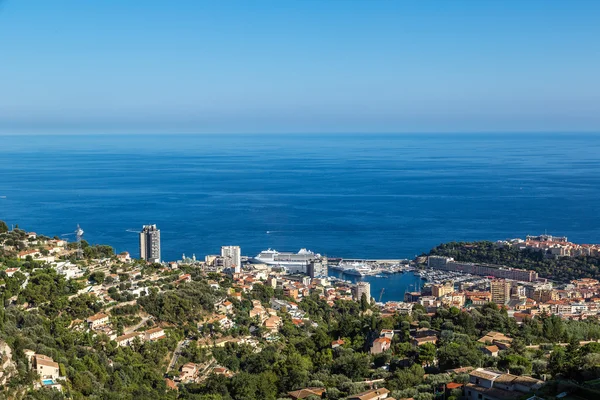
x,y
378,268
393,285
393,281
433,276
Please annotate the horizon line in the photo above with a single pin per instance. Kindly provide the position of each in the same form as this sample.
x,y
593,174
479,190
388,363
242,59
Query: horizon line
x,y
312,133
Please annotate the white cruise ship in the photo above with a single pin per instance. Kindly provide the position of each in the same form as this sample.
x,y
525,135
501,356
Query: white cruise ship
x,y
355,267
293,262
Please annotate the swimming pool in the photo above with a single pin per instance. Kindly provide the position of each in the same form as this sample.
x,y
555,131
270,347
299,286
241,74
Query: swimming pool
x,y
47,382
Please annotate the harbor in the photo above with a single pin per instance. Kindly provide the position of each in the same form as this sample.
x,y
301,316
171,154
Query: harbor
x,y
390,288
362,268
390,281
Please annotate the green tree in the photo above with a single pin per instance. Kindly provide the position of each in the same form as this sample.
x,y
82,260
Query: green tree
x,y
406,378
557,364
364,302
98,277
427,353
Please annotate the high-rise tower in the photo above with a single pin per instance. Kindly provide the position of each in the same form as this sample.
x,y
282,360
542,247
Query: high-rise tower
x,y
232,258
150,243
500,289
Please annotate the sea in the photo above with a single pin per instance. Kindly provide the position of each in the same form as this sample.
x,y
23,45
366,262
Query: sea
x,y
341,195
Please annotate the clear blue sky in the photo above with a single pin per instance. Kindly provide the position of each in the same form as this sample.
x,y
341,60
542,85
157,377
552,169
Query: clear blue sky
x,y
299,66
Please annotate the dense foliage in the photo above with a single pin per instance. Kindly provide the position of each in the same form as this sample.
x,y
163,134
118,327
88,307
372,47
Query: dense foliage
x,y
43,312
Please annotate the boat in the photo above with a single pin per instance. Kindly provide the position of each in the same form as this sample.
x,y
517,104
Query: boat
x,y
356,268
354,271
294,262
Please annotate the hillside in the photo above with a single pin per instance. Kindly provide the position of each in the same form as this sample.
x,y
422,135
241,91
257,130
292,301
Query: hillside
x,y
563,269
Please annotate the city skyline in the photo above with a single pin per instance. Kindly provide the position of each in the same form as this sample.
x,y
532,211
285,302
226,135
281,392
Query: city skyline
x,y
304,67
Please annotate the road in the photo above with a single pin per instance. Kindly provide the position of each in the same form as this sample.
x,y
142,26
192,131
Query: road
x,y
176,353
537,346
137,326
127,303
206,371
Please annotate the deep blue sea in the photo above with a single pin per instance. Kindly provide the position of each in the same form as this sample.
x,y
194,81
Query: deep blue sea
x,y
355,196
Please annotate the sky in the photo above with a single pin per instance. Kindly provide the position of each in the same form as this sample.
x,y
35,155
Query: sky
x,y
301,66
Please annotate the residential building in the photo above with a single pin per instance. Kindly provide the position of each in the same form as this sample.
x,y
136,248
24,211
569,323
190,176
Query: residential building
x,y
225,307
388,333
438,261
45,367
306,392
258,311
150,243
97,320
188,372
317,268
277,304
223,322
360,289
124,257
497,271
128,338
419,341
373,394
291,291
500,289
380,345
543,295
273,323
496,338
412,297
491,350
492,385
439,290
154,334
222,371
232,258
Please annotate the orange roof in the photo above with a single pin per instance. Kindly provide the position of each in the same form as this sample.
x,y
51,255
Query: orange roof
x,y
26,252
97,317
492,349
170,384
382,340
453,385
127,336
303,393
45,362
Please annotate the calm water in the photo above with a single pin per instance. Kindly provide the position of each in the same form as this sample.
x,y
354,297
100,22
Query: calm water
x,y
395,284
371,196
